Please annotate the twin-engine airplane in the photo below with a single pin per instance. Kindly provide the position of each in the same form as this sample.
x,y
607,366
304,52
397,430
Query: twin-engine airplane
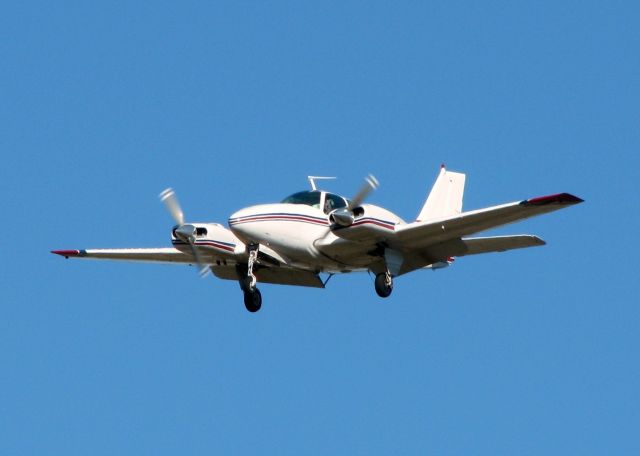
x,y
313,232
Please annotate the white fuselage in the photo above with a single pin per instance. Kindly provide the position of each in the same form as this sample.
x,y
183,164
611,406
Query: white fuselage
x,y
303,234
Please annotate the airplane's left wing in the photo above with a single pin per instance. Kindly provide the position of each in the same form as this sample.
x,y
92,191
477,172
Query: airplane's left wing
x,y
429,242
424,234
154,255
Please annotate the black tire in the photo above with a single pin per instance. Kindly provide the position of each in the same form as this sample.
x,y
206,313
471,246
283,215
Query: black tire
x,y
382,288
253,300
245,284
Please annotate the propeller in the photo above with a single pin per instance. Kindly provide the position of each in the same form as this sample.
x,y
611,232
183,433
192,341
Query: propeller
x,y
370,184
170,200
345,216
184,231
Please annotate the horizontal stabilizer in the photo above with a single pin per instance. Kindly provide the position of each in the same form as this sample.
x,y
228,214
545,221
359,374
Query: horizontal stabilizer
x,y
474,246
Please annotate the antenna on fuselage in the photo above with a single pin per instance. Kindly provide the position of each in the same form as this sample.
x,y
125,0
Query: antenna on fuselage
x,y
313,179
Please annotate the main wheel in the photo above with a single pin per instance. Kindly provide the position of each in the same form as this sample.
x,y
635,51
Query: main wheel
x,y
383,288
253,300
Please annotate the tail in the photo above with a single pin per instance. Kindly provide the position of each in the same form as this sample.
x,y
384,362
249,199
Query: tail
x,y
445,199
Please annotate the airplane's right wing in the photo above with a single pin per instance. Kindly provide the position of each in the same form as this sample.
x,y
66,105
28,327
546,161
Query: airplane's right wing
x,y
153,255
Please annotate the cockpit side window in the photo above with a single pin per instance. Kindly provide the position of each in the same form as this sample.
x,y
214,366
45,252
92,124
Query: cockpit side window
x,y
308,198
332,202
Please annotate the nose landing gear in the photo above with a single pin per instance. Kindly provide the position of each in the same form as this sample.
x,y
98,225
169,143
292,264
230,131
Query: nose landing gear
x,y
384,284
248,280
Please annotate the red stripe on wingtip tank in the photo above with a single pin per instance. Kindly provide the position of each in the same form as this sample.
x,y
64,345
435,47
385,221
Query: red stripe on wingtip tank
x,y
66,253
562,198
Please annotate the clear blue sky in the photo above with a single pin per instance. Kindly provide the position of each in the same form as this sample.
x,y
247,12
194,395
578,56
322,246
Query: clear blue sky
x,y
103,105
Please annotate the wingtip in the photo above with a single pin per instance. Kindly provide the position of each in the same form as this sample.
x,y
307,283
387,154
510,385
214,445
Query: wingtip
x,y
558,198
66,253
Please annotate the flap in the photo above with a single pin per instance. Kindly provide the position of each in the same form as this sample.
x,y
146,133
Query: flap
x,y
275,275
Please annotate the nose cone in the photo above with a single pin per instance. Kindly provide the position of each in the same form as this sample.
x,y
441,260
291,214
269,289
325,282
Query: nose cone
x,y
248,213
245,223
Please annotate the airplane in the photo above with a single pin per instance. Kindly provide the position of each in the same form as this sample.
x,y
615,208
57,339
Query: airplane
x,y
315,231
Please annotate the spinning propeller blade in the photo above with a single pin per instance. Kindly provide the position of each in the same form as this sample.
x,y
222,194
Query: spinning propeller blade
x,y
203,269
370,184
168,197
185,232
344,216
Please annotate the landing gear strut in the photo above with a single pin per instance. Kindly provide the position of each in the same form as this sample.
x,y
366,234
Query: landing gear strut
x,y
253,256
384,284
248,280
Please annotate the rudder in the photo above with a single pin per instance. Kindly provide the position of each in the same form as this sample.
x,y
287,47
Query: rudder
x,y
445,198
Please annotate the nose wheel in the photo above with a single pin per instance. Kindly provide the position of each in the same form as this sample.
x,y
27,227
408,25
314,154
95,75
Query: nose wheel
x,y
253,300
384,284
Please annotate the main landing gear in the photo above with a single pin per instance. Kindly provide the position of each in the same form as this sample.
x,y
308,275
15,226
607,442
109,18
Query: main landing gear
x,y
384,284
252,296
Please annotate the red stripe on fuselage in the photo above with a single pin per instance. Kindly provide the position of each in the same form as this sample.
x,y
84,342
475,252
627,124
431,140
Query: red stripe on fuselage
x,y
216,245
208,244
374,222
279,218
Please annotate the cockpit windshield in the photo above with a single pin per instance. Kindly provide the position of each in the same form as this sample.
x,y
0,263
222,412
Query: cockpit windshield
x,y
332,202
308,198
315,198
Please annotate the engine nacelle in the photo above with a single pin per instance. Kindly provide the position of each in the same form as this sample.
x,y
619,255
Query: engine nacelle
x,y
363,223
210,238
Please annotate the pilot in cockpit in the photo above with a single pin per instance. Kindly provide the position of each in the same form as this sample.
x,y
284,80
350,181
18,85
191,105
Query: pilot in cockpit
x,y
328,205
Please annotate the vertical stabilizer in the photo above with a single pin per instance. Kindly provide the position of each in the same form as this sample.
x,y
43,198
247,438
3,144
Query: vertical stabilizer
x,y
445,199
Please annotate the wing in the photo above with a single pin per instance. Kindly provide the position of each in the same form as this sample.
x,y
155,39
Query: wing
x,y
426,243
275,272
419,235
156,255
